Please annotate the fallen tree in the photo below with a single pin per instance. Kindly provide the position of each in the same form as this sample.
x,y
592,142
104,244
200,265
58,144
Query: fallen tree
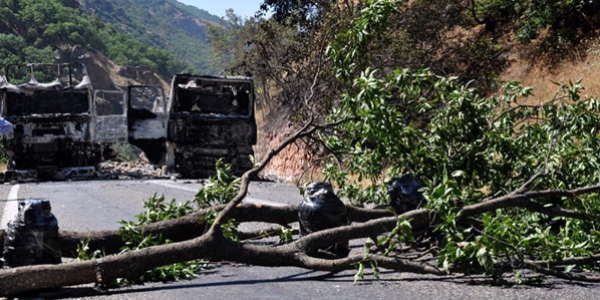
x,y
214,246
209,245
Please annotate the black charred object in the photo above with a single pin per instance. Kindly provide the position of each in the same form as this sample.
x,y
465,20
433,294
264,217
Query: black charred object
x,y
321,209
404,193
32,237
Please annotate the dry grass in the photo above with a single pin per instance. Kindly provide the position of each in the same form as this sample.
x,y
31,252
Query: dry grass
x,y
542,78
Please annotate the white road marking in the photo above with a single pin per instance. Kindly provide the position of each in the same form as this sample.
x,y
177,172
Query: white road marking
x,y
174,185
12,206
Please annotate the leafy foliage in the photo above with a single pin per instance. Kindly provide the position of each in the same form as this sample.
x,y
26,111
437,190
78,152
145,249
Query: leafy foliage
x,y
398,115
156,209
566,21
14,49
470,149
83,252
219,189
298,12
287,54
469,40
127,152
228,42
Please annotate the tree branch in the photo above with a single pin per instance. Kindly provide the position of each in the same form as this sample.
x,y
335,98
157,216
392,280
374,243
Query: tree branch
x,y
523,200
306,130
193,225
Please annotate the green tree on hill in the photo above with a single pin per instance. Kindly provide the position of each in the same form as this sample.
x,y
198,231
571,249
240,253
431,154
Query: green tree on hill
x,y
33,31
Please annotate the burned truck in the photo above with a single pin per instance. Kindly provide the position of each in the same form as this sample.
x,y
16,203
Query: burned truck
x,y
51,108
206,118
63,127
210,118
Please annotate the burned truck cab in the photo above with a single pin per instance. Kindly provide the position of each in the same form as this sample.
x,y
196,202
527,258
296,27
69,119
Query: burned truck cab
x,y
50,106
210,118
204,119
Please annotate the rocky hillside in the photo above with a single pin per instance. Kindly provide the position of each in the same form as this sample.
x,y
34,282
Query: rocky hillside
x,y
165,24
106,74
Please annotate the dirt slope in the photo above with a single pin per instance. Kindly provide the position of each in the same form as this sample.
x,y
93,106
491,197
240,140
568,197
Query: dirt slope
x,y
542,77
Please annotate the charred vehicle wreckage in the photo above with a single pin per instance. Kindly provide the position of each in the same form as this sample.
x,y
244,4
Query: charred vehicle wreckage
x,y
206,118
50,107
210,118
63,128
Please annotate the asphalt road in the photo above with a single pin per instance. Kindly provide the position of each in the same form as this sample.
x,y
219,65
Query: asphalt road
x,y
99,205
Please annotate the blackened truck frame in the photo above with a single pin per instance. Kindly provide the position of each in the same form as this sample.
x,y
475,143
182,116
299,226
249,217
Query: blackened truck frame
x,y
210,118
206,118
50,106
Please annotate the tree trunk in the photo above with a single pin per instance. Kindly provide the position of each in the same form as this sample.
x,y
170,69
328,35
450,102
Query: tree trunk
x,y
211,245
191,226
